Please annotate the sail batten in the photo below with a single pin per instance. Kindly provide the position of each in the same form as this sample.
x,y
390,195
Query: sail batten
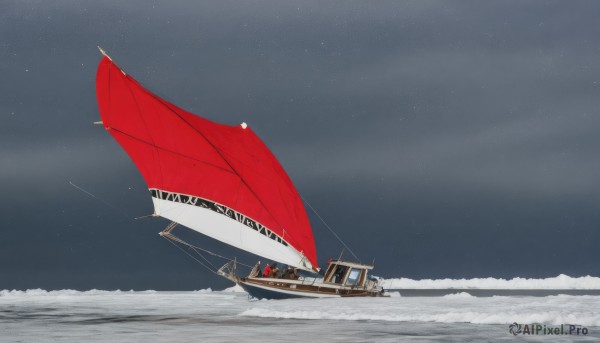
x,y
172,152
203,162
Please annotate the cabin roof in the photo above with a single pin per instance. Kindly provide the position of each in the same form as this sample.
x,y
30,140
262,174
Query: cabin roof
x,y
352,264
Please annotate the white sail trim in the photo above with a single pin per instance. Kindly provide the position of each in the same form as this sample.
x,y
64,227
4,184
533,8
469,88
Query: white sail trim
x,y
229,231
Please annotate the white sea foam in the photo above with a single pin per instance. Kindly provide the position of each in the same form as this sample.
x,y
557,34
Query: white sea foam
x,y
454,308
204,291
559,282
235,289
42,292
459,295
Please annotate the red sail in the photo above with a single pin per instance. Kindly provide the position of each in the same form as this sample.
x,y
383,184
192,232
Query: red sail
x,y
184,155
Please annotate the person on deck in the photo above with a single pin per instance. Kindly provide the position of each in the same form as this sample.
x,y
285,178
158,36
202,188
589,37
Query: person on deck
x,y
274,270
267,272
290,273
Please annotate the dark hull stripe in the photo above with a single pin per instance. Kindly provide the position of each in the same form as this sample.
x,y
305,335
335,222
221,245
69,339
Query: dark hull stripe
x,y
282,290
261,293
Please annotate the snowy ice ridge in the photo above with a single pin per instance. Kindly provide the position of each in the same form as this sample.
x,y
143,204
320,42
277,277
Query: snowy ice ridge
x,y
559,282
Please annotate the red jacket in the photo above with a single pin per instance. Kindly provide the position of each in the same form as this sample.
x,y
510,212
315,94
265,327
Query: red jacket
x,y
267,271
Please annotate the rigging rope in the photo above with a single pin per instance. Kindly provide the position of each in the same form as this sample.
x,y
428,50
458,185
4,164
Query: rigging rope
x,y
102,201
174,238
331,230
205,259
190,255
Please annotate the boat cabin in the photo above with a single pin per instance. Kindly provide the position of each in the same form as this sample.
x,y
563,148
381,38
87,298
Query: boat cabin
x,y
347,273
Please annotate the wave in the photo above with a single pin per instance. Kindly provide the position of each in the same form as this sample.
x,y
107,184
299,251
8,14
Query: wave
x,y
551,317
558,282
454,308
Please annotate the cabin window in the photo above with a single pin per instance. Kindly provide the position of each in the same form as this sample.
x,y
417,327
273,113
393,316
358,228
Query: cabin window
x,y
329,273
340,271
353,277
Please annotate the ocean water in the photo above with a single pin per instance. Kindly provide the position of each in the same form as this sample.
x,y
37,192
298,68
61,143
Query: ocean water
x,y
229,315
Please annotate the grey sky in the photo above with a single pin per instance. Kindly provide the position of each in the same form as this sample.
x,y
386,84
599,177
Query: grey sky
x,y
443,138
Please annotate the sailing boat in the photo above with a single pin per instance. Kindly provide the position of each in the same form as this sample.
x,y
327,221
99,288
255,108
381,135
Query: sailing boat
x,y
222,181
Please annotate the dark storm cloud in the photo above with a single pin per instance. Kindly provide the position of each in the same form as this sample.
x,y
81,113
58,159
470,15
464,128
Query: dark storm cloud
x,y
459,137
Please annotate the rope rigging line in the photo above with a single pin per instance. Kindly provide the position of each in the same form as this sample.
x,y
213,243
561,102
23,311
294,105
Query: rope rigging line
x,y
330,229
99,199
190,255
167,234
204,258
